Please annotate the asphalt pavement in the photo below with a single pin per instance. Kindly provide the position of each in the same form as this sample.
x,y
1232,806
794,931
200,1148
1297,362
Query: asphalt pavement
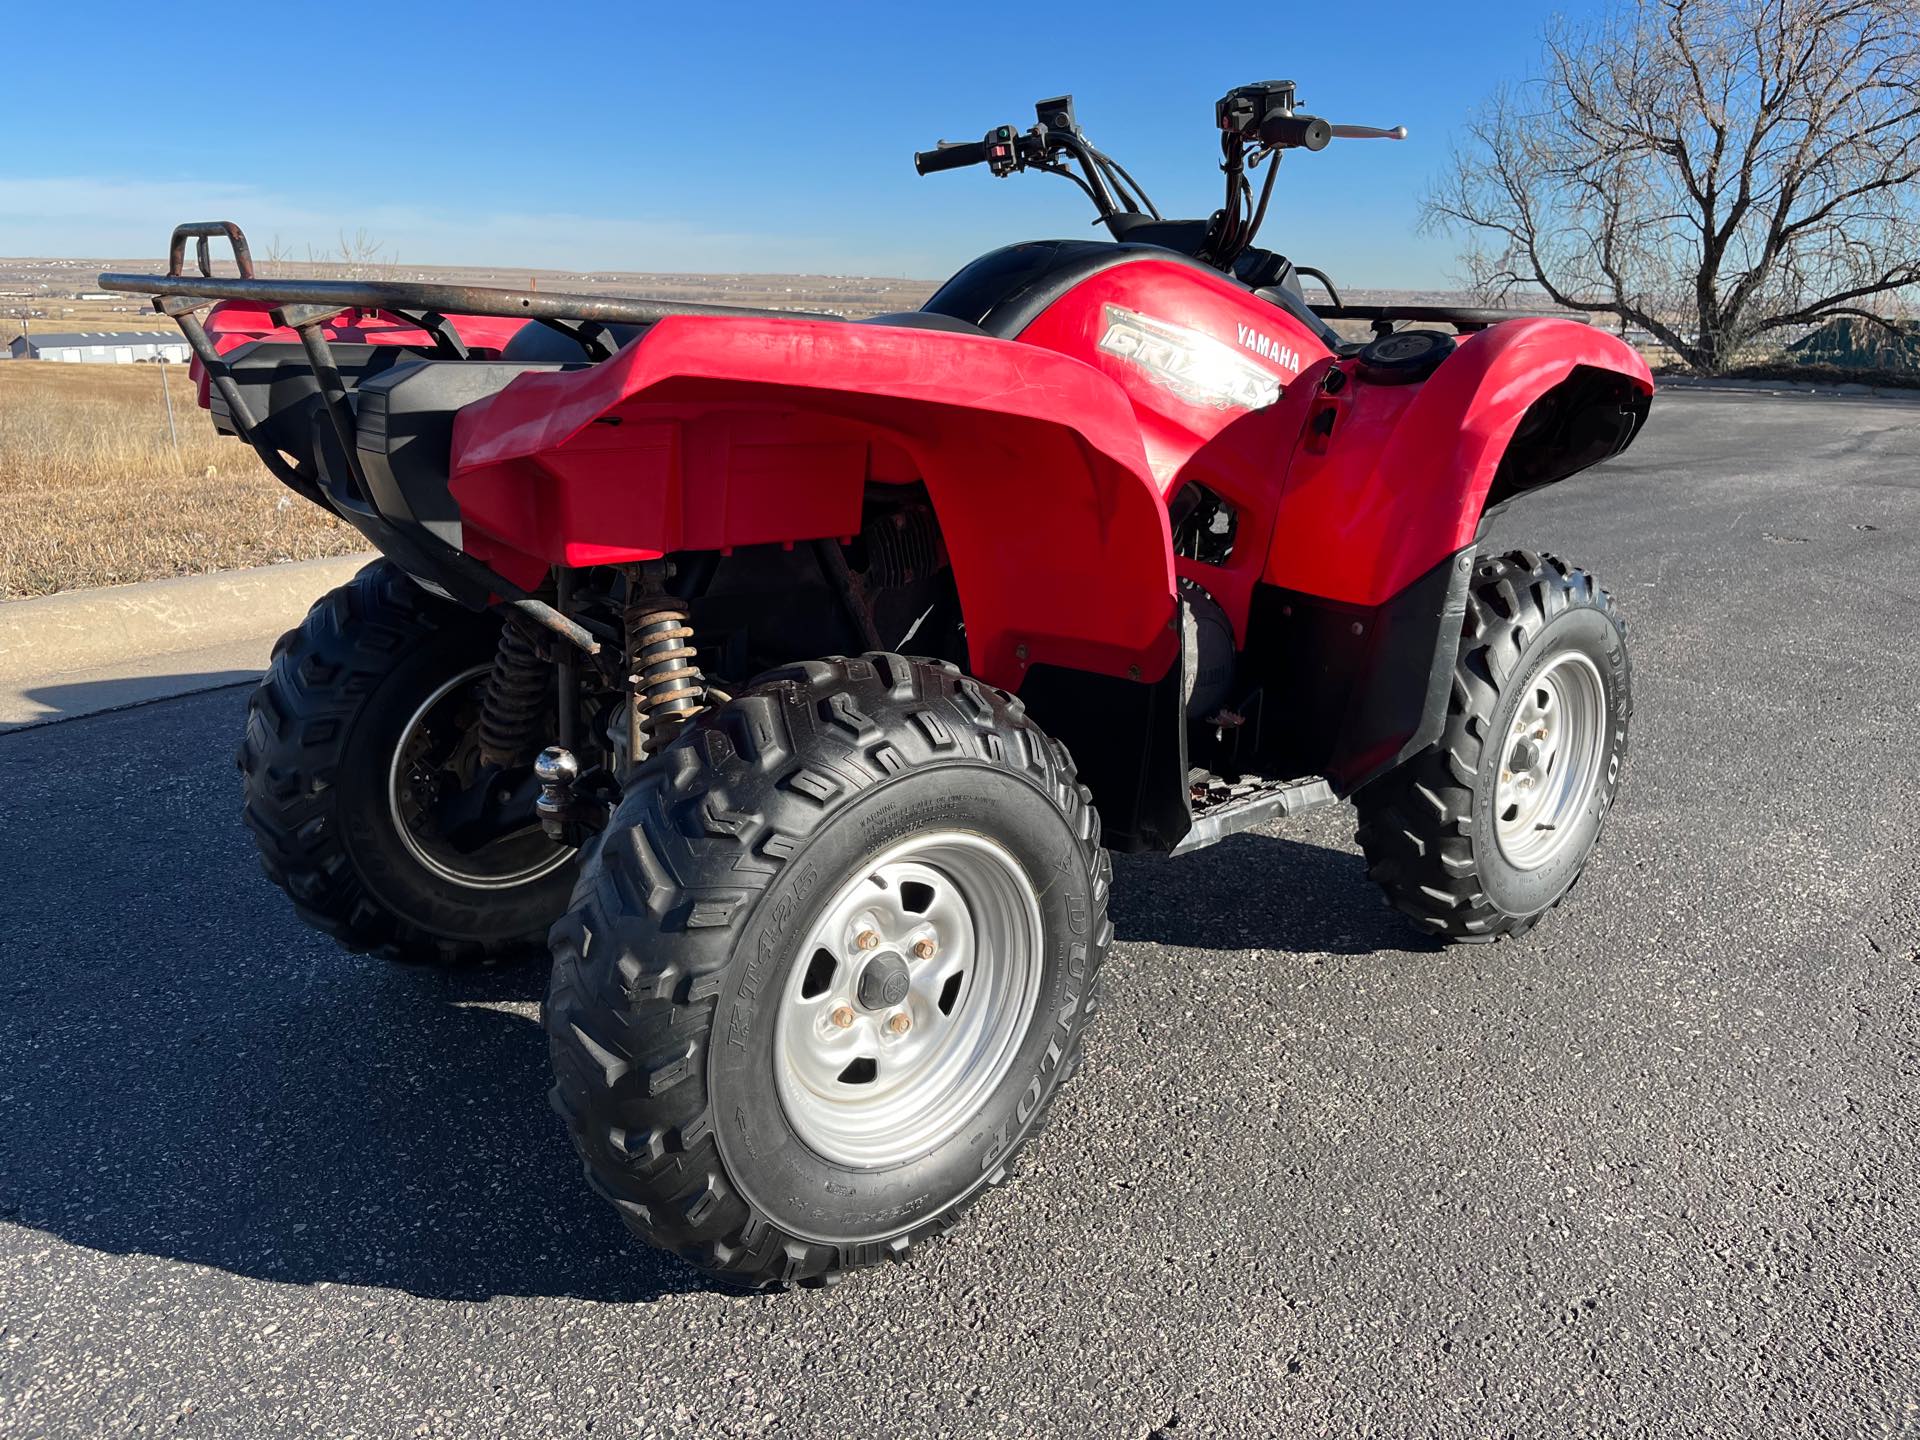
x,y
1651,1170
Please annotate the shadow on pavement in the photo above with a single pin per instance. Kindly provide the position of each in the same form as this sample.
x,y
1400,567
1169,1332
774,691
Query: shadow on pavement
x,y
392,1134
1264,892
41,703
187,1072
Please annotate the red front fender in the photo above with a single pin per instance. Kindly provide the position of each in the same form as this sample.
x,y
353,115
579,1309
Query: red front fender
x,y
1389,480
712,433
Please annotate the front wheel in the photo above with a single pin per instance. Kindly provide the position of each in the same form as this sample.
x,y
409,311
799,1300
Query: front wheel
x,y
827,968
1485,830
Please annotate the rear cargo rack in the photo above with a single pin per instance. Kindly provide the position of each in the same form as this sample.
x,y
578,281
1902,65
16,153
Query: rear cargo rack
x,y
1465,318
305,306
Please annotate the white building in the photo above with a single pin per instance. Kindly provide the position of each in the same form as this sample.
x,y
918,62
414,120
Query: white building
x,y
103,347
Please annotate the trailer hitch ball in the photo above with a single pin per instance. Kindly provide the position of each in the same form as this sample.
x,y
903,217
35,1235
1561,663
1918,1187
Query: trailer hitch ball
x,y
557,771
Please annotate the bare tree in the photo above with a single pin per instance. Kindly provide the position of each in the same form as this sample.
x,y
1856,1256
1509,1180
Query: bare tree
x,y
1710,170
277,256
358,257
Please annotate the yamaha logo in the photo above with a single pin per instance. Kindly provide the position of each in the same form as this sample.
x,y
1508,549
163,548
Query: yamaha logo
x,y
1268,348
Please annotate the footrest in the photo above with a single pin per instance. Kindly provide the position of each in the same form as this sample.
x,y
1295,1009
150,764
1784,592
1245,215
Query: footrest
x,y
1221,809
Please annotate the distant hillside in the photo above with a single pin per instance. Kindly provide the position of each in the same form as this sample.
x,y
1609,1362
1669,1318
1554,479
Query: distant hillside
x,y
48,288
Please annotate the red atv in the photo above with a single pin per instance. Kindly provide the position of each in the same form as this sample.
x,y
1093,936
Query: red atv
x,y
1129,549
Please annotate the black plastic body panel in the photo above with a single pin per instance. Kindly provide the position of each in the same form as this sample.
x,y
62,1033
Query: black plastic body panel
x,y
403,414
1128,739
1186,237
1287,296
1352,690
404,433
276,380
1590,416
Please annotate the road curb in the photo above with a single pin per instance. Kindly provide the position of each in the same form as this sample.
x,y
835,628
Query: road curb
x,y
83,651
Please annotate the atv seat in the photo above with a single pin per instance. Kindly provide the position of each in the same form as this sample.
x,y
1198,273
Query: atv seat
x,y
1003,292
925,320
543,343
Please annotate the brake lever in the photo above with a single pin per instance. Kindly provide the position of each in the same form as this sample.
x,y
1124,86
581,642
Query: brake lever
x,y
1368,132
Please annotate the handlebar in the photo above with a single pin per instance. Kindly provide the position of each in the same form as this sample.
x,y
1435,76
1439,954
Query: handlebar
x,y
951,156
1309,132
1367,132
1257,121
1296,132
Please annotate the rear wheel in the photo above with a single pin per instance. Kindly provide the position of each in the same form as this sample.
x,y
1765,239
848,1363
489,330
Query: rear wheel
x,y
366,792
827,968
1481,833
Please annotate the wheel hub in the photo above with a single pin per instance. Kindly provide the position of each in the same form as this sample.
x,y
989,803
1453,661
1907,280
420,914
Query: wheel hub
x,y
1550,763
908,1003
435,762
884,981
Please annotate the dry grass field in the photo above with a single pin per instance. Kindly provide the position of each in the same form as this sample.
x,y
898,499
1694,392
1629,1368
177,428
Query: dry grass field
x,y
93,493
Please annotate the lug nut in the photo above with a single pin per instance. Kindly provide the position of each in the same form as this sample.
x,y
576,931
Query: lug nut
x,y
842,1016
865,940
900,1023
923,949
1541,733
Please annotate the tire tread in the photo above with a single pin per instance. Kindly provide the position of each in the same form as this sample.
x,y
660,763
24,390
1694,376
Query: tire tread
x,y
778,761
297,720
1416,821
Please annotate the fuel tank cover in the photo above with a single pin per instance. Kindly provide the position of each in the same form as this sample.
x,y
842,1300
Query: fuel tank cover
x,y
1404,356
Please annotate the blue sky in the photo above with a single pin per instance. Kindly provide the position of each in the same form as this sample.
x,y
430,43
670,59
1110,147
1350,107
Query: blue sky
x,y
743,136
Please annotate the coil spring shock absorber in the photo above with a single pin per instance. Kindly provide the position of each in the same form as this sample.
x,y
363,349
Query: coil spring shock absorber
x,y
516,700
668,688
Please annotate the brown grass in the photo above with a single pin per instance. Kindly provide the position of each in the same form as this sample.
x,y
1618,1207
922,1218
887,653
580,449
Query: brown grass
x,y
92,493
123,312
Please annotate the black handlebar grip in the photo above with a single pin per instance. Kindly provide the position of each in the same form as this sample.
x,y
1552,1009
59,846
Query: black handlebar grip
x,y
950,157
1296,132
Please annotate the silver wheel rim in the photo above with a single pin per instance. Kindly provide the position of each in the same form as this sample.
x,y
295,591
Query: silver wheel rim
x,y
866,1083
405,807
1550,761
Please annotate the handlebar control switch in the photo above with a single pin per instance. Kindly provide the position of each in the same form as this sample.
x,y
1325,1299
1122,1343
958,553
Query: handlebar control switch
x,y
1003,150
1057,114
1245,108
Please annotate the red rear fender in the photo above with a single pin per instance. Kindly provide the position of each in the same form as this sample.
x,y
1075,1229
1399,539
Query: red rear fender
x,y
712,433
1389,480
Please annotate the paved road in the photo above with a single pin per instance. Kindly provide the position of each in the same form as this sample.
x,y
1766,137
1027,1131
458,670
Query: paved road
x,y
1650,1171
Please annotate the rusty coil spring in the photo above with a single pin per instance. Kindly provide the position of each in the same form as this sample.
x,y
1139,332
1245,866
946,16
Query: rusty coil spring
x,y
668,688
515,702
